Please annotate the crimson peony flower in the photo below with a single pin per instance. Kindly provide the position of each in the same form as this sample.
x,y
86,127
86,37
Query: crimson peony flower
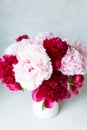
x,y
78,80
56,49
7,74
74,89
48,104
10,59
76,83
52,90
20,38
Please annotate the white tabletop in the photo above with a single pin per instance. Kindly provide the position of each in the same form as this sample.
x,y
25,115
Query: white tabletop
x,y
67,19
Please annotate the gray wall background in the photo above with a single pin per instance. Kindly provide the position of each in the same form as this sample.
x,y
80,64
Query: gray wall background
x,y
66,18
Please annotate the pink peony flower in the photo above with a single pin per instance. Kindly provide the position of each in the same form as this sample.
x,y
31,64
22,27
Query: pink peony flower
x,y
14,48
82,49
73,63
34,66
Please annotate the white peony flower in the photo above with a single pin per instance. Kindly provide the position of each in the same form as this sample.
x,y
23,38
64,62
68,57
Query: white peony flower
x,y
15,47
34,65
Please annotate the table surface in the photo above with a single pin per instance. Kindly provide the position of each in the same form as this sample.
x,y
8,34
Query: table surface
x,y
67,19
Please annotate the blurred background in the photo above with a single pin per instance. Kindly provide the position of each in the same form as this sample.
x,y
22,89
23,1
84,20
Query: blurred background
x,y
67,19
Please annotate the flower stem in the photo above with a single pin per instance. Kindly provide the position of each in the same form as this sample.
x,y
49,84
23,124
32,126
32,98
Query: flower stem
x,y
43,107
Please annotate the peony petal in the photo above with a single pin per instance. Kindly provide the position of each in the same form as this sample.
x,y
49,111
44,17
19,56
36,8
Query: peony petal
x,y
48,104
20,38
78,78
14,87
74,89
35,96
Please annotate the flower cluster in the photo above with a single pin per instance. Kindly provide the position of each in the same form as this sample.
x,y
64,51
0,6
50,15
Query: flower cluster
x,y
52,68
52,90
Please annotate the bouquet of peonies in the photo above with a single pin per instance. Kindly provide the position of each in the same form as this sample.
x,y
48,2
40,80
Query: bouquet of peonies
x,y
51,68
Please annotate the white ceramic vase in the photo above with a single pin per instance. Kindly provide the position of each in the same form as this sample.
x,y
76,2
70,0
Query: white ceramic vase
x,y
47,112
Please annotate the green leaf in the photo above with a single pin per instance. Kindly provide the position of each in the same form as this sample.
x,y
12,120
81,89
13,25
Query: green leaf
x,y
22,89
70,80
43,107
